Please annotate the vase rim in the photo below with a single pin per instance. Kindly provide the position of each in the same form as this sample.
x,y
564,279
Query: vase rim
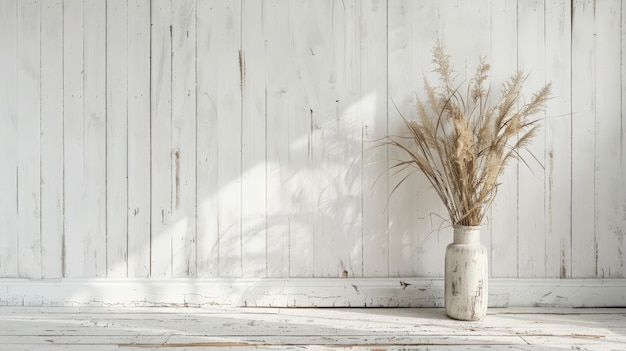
x,y
467,227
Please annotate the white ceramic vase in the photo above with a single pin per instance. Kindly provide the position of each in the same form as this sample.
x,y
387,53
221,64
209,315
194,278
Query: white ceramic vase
x,y
466,277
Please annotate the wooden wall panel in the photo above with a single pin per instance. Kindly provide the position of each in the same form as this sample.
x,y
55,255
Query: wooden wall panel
x,y
584,72
282,218
225,91
254,240
139,151
28,140
183,139
503,218
117,138
208,22
608,170
94,138
299,46
75,236
558,129
8,138
183,131
407,60
531,225
373,105
621,221
161,139
52,200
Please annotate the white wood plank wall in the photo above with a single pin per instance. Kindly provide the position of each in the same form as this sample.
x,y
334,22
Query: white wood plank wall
x,y
225,139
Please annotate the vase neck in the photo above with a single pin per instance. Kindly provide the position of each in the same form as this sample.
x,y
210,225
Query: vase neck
x,y
466,235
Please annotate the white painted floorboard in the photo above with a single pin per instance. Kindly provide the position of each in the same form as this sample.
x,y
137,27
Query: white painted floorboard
x,y
67,328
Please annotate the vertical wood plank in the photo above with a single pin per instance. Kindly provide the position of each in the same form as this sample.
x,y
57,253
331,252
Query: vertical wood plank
x,y
412,26
225,90
253,162
503,216
161,139
329,62
94,137
346,152
208,19
341,138
622,224
373,107
74,238
350,219
117,138
584,249
301,184
558,130
609,195
84,138
184,138
531,184
319,71
229,150
139,179
8,138
28,139
52,201
406,64
280,211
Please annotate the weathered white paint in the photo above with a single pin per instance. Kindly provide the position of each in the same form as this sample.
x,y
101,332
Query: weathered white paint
x,y
28,140
373,105
8,139
358,329
74,207
94,232
583,115
610,193
231,139
208,46
277,143
117,138
253,141
52,197
160,139
183,134
503,221
466,275
304,292
531,223
225,82
139,147
558,128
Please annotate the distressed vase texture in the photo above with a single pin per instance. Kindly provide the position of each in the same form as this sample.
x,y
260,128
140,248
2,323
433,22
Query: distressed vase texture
x,y
466,275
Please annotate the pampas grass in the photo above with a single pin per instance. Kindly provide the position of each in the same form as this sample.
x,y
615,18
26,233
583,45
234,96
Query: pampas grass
x,y
461,143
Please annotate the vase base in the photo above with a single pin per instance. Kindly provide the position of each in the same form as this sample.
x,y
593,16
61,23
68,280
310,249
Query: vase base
x,y
466,318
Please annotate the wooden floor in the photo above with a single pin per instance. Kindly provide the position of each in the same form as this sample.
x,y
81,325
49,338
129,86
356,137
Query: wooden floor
x,y
66,328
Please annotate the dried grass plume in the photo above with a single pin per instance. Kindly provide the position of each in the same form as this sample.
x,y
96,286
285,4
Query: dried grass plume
x,y
461,143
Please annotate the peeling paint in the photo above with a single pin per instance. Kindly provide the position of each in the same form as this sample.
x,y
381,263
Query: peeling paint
x,y
563,265
177,178
242,70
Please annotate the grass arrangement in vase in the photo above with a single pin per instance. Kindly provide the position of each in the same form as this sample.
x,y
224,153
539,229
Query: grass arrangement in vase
x,y
462,144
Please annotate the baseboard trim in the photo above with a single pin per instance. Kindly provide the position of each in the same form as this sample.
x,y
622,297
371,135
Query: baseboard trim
x,y
349,292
